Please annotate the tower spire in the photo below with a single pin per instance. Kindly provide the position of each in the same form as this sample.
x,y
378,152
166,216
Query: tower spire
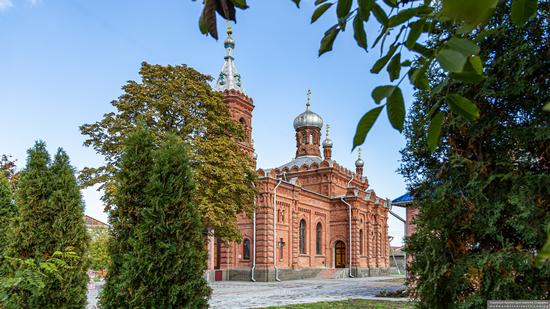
x,y
229,77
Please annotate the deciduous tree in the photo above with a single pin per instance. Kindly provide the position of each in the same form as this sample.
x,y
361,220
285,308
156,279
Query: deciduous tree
x,y
179,99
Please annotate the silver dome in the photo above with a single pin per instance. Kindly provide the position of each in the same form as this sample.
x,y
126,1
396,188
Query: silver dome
x,y
359,162
308,119
327,142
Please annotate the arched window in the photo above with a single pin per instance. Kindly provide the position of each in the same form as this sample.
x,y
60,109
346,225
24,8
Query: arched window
x,y
246,249
303,236
318,242
361,242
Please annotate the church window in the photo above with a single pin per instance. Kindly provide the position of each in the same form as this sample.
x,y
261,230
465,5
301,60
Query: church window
x,y
361,242
318,243
281,249
246,249
303,236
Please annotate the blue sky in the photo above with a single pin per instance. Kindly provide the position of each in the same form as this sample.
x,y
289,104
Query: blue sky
x,y
63,62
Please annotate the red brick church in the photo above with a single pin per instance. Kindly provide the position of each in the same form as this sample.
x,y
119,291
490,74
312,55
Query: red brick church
x,y
313,216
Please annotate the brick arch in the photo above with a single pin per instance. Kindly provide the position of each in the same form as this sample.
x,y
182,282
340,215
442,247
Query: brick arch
x,y
336,238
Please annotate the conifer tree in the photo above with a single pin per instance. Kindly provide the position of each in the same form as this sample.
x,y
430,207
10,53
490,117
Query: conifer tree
x,y
7,211
484,194
50,219
130,181
158,250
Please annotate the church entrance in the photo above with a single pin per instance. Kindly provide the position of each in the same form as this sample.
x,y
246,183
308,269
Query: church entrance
x,y
217,260
340,254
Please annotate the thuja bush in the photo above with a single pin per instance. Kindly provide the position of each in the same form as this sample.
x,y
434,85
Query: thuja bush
x,y
157,247
50,219
484,193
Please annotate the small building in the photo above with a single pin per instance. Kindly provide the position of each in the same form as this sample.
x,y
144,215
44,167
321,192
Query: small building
x,y
92,223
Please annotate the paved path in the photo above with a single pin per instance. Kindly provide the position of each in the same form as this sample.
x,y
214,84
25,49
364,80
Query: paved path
x,y
236,294
232,294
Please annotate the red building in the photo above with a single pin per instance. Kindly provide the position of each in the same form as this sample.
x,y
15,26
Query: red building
x,y
313,216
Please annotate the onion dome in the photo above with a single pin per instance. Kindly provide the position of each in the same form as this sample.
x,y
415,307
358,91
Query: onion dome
x,y
359,162
327,142
308,118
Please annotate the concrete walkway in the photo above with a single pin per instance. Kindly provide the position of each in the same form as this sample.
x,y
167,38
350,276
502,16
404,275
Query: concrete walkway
x,y
236,294
233,294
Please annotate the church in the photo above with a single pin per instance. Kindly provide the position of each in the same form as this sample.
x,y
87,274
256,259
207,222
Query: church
x,y
313,217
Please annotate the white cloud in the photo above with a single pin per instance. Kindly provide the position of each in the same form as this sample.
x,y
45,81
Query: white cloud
x,y
34,2
5,4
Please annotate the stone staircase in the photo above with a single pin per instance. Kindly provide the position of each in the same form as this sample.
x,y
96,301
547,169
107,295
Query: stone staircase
x,y
335,273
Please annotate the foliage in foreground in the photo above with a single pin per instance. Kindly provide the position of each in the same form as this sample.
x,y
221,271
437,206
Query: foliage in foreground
x,y
402,26
157,247
179,99
7,211
22,280
50,219
484,193
352,304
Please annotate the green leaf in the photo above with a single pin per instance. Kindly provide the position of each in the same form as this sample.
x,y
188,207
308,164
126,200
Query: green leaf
x,y
472,71
203,27
365,6
421,49
468,77
546,107
297,2
394,67
342,8
317,2
450,60
473,12
359,31
523,10
364,125
241,4
396,109
380,63
463,106
320,11
402,17
379,14
328,40
476,64
463,46
391,3
434,131
381,92
418,77
415,32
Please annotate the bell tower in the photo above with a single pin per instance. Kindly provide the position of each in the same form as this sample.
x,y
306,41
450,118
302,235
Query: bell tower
x,y
229,83
308,132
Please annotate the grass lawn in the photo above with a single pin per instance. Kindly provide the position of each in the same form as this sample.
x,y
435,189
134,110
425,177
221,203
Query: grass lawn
x,y
352,303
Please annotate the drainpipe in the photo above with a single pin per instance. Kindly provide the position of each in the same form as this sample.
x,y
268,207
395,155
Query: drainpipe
x,y
350,246
275,231
252,273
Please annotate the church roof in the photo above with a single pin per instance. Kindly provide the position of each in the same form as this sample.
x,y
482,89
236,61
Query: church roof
x,y
299,161
229,78
403,200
